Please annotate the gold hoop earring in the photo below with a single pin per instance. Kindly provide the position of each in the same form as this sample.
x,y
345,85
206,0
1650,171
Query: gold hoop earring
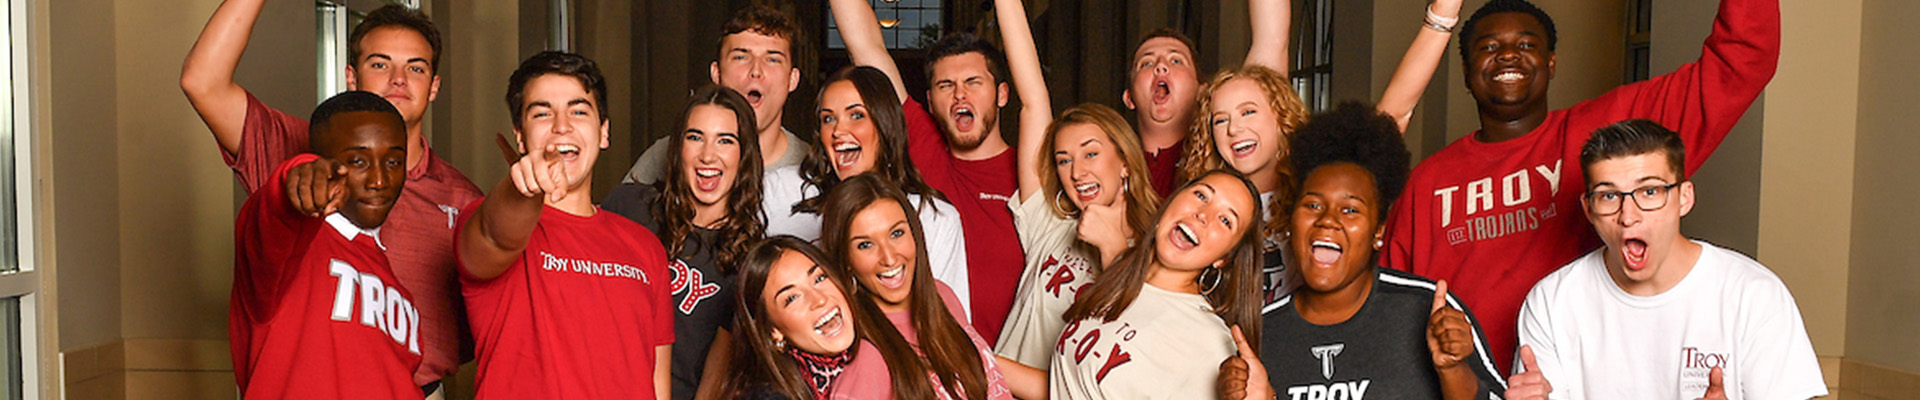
x,y
1207,285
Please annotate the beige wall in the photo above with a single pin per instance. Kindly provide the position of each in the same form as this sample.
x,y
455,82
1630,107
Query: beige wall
x,y
85,182
1882,295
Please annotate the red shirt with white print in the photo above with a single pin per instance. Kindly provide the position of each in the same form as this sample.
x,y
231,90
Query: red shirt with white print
x,y
1495,218
418,232
981,190
316,312
577,316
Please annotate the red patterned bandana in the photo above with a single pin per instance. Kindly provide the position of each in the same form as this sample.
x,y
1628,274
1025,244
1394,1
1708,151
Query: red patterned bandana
x,y
821,370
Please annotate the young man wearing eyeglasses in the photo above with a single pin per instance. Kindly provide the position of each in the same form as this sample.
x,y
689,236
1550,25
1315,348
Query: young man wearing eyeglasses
x,y
1652,314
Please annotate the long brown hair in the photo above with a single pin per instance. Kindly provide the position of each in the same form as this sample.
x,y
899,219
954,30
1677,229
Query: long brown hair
x,y
1236,301
890,125
745,222
950,353
1203,155
761,363
1142,202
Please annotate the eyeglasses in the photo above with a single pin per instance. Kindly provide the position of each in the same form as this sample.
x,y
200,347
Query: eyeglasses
x,y
1647,198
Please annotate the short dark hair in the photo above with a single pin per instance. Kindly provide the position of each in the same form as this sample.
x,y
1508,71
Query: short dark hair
x,y
1507,6
351,101
954,44
1193,49
770,21
399,16
1631,138
557,63
1354,132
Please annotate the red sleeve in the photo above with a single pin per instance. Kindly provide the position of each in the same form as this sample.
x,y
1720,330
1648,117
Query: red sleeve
x,y
1398,252
1704,99
656,259
925,144
267,138
264,237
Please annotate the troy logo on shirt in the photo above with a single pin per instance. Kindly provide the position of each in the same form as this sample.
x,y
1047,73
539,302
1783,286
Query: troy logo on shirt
x,y
589,267
694,283
1064,274
1697,364
381,307
1515,189
1329,391
1086,344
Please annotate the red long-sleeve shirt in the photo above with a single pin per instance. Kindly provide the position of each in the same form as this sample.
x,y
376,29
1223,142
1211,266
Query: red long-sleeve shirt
x,y
1494,218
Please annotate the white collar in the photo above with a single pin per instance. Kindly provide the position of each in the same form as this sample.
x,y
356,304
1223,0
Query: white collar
x,y
348,230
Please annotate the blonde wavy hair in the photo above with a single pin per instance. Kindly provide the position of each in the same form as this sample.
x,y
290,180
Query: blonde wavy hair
x,y
1203,155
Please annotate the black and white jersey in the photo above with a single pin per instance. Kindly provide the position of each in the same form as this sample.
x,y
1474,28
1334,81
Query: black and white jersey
x,y
1379,353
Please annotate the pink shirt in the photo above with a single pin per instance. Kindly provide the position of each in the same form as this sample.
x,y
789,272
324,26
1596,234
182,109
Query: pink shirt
x,y
867,376
418,232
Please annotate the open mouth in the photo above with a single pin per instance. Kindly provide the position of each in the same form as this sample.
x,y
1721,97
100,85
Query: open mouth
x,y
567,152
846,153
754,97
1244,148
1509,77
1326,253
707,179
1162,91
829,324
1634,252
963,118
1087,191
1182,237
893,278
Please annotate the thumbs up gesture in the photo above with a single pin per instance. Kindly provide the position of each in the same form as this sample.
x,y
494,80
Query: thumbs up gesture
x,y
317,188
1531,384
1449,335
1716,386
1243,377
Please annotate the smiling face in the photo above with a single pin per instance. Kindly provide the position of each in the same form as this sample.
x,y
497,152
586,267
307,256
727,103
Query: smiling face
x,y
1090,167
965,99
760,67
847,130
806,307
1509,65
372,147
710,153
1204,222
395,63
1640,244
1165,83
1335,226
882,253
1246,129
559,111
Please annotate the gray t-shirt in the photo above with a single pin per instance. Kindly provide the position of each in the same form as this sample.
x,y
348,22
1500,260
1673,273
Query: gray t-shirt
x,y
1379,352
647,169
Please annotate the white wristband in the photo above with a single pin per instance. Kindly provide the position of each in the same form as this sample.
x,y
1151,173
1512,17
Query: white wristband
x,y
1436,19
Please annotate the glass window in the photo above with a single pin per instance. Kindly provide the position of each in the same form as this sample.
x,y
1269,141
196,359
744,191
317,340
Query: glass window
x,y
1313,53
1639,21
904,24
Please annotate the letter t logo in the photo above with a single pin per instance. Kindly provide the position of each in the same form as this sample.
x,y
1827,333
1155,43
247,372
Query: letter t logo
x,y
1326,353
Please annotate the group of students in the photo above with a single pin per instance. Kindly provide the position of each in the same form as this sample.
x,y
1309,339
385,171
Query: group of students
x,y
1224,244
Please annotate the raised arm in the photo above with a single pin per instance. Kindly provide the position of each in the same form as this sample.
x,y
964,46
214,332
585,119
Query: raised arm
x,y
1030,83
1271,21
1410,80
207,76
500,229
860,29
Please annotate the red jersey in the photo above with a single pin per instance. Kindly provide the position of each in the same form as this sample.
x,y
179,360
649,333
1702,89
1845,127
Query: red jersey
x,y
316,312
980,190
1495,218
419,230
1164,168
577,316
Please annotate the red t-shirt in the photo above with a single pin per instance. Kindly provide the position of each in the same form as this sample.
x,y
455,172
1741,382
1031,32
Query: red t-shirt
x,y
1164,168
577,316
1495,218
316,312
979,189
418,232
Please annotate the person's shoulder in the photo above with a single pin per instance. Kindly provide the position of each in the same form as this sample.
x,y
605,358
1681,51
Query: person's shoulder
x,y
458,187
1734,268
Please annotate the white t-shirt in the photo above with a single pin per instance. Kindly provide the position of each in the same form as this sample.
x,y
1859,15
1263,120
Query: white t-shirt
x,y
1596,341
1166,345
1056,270
946,243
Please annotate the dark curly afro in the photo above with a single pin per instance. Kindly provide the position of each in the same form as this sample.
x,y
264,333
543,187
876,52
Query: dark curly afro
x,y
1354,132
